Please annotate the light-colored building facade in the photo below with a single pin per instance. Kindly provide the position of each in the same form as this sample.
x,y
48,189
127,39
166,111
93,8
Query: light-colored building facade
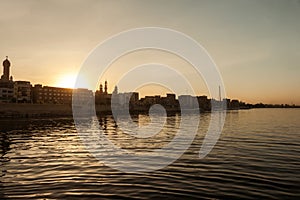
x,y
188,101
83,96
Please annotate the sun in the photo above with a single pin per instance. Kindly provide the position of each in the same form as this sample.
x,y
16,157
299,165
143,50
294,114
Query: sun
x,y
66,81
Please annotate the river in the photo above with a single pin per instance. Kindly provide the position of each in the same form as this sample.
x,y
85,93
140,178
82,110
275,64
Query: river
x,y
256,157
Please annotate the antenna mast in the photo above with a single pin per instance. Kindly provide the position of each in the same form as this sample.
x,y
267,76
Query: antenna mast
x,y
220,93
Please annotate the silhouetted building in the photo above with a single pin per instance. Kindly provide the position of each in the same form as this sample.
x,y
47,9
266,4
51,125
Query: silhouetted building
x,y
105,87
234,104
51,95
6,66
149,100
228,101
204,103
6,92
102,97
170,102
134,97
6,83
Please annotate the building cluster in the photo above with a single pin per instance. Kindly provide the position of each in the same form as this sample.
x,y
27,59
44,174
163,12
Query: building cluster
x,y
23,92
13,91
131,101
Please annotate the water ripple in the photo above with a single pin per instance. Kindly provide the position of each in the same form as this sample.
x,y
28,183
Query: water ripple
x,y
255,158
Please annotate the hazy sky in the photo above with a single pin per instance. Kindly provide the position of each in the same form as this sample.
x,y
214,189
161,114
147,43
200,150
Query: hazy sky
x,y
256,44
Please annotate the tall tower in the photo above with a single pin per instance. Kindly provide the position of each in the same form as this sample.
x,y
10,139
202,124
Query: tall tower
x,y
105,87
101,89
115,90
220,93
6,66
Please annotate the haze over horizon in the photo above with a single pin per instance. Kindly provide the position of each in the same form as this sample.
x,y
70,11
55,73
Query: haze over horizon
x,y
255,44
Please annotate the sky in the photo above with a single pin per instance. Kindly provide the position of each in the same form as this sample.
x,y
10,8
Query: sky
x,y
255,44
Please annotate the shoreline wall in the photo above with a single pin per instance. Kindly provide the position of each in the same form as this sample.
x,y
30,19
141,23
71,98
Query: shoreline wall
x,y
28,110
14,110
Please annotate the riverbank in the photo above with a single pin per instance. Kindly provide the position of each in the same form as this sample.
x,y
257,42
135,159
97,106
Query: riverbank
x,y
27,110
13,110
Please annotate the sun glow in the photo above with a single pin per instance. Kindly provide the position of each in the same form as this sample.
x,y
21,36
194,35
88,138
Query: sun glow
x,y
66,81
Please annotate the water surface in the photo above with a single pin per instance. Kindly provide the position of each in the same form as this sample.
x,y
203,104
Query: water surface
x,y
257,156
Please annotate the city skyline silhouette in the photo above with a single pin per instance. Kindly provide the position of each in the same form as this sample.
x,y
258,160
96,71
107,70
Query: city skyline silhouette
x,y
156,98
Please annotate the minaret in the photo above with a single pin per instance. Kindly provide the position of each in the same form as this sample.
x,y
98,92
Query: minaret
x,y
6,66
115,90
105,87
101,89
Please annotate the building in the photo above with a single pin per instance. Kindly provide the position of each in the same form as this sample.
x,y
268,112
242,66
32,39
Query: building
x,y
170,101
22,92
148,101
6,70
126,98
6,84
6,92
234,104
13,91
204,103
83,96
51,95
103,97
124,101
188,102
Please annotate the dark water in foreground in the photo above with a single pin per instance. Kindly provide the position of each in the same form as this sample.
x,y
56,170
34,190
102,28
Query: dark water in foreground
x,y
257,157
